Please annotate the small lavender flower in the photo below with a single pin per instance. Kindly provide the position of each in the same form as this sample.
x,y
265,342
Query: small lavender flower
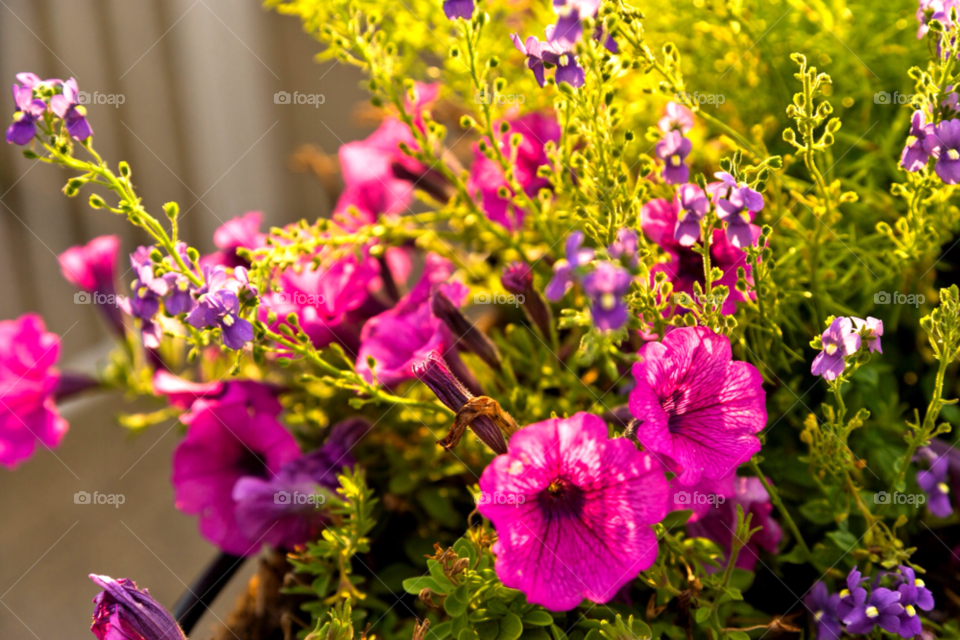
x,y
218,305
824,607
673,149
677,117
123,612
853,596
458,9
33,81
735,204
606,287
921,143
67,106
692,205
838,341
144,304
29,110
883,608
624,248
934,482
947,145
914,590
532,48
870,330
564,269
569,25
538,53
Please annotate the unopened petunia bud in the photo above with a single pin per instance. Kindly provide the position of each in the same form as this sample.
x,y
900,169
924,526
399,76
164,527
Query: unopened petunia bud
x,y
517,278
123,611
464,330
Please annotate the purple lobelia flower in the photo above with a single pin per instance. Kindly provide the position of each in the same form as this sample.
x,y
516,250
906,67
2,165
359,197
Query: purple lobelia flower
x,y
882,608
736,204
691,205
673,149
287,510
921,143
572,511
913,589
624,247
123,612
458,9
718,524
676,117
853,596
92,268
606,287
550,52
29,110
947,146
68,107
218,305
935,483
532,49
564,269
697,405
870,330
823,605
839,341
228,438
144,304
569,26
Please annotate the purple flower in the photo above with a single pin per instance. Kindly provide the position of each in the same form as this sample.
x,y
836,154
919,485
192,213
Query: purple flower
x,y
532,49
218,305
458,9
677,117
123,612
882,608
228,438
673,149
913,590
144,304
564,269
947,146
697,405
516,277
692,205
569,28
839,341
68,107
719,524
853,596
736,204
92,268
29,110
823,605
32,81
624,248
606,287
551,52
934,482
870,330
286,510
572,511
921,144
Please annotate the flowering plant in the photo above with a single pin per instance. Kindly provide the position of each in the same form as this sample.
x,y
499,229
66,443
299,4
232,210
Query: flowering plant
x,y
552,382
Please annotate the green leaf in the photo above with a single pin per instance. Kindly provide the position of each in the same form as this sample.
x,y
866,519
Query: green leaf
x,y
436,570
738,635
535,633
468,634
416,585
817,511
676,518
510,627
642,630
538,618
464,549
844,540
488,629
702,614
440,631
454,606
438,505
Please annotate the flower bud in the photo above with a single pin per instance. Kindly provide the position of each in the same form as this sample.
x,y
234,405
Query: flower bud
x,y
466,333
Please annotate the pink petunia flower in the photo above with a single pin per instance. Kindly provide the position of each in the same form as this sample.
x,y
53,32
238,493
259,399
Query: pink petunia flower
x,y
572,511
676,117
242,232
227,438
404,335
93,268
28,380
658,219
696,405
719,522
486,176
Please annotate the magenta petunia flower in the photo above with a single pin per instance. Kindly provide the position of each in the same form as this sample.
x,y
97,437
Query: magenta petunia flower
x,y
123,612
404,335
242,232
700,498
719,523
572,511
658,219
92,268
28,380
227,438
486,177
696,405
838,341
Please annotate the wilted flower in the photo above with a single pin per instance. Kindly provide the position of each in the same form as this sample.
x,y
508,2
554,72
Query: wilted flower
x,y
28,380
29,110
123,612
696,405
578,523
839,341
673,149
67,106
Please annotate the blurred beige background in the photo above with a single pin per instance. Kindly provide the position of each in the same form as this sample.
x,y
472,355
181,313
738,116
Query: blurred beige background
x,y
198,125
